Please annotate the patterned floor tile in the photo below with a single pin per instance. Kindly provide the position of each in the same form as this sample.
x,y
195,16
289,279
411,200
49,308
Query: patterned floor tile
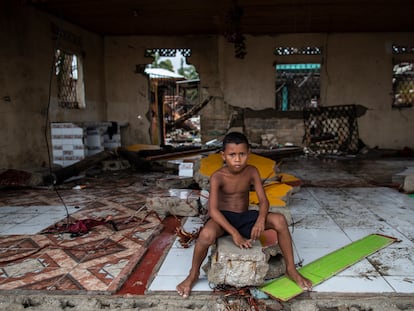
x,y
97,261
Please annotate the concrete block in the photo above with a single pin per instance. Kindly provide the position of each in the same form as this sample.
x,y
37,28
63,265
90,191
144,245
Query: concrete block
x,y
185,169
173,182
179,202
94,140
408,185
231,265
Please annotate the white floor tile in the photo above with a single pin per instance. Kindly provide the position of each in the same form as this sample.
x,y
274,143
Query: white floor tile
x,y
31,219
356,234
361,269
5,228
352,284
319,238
169,283
10,209
395,261
307,255
401,284
176,263
16,219
316,221
22,229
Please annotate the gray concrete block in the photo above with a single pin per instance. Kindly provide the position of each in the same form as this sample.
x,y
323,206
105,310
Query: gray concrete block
x,y
231,265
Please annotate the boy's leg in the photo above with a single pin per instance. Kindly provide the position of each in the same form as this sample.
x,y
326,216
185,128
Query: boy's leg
x,y
278,222
208,235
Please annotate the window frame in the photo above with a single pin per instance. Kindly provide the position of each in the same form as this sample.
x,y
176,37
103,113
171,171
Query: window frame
x,y
75,77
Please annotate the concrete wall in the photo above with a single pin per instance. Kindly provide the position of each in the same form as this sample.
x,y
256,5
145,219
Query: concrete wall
x,y
26,59
357,69
127,92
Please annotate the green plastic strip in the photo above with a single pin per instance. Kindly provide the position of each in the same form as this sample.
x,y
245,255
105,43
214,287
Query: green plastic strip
x,y
327,266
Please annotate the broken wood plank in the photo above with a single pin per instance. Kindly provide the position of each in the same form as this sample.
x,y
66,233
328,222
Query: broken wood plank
x,y
60,175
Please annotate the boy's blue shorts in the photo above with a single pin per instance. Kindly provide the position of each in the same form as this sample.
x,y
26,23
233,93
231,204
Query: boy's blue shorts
x,y
243,222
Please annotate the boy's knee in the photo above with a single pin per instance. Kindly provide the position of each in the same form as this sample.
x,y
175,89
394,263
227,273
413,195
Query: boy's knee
x,y
278,220
207,237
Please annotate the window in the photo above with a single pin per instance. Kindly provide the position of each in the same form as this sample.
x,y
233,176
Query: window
x,y
297,86
69,79
403,84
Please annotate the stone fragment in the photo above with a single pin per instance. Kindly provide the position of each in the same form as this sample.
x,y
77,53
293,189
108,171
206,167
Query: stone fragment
x,y
173,182
408,185
179,202
231,265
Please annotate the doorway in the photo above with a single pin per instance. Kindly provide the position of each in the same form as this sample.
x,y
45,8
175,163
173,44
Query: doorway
x,y
174,92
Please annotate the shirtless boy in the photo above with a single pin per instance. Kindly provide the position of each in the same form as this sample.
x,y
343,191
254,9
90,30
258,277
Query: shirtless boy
x,y
229,214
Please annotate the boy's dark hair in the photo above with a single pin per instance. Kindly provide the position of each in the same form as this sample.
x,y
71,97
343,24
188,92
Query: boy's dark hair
x,y
235,138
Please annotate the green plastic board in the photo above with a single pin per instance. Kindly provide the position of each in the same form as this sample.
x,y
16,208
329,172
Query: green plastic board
x,y
327,266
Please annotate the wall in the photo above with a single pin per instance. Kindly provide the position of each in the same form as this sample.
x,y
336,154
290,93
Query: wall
x,y
357,69
27,103
127,91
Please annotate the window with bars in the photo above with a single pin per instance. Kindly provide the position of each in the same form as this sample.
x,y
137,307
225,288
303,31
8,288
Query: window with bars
x,y
403,84
297,86
69,80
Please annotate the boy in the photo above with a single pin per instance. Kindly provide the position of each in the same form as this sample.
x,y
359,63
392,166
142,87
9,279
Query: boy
x,y
229,214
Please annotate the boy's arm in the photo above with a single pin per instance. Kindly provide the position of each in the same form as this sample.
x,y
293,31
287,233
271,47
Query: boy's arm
x,y
260,224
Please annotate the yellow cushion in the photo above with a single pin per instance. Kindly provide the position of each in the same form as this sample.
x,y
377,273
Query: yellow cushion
x,y
214,161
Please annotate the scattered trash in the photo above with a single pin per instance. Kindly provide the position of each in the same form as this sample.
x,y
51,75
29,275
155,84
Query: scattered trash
x,y
79,187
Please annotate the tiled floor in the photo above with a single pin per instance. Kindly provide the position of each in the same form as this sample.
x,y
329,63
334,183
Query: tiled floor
x,y
35,255
332,211
31,219
327,219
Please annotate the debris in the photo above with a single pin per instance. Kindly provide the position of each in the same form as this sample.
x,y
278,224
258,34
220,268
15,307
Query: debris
x,y
230,265
186,238
59,176
408,185
18,178
178,202
115,165
81,227
79,187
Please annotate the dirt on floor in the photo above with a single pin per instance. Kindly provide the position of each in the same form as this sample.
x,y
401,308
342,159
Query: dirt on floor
x,y
310,302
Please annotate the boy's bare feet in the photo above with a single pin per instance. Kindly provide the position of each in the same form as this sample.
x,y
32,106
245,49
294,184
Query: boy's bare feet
x,y
295,276
184,288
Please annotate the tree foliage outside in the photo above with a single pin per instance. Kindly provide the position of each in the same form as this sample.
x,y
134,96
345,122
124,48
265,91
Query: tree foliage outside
x,y
164,64
189,71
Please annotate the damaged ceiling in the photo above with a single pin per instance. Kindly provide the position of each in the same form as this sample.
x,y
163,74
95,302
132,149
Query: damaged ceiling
x,y
189,17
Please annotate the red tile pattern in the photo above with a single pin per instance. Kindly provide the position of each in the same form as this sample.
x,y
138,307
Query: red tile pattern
x,y
99,261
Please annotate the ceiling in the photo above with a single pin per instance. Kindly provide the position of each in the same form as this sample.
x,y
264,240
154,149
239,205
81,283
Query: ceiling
x,y
203,17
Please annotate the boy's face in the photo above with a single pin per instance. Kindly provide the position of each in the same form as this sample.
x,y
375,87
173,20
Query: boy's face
x,y
235,156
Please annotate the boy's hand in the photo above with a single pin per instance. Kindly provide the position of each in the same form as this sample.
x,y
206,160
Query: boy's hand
x,y
241,242
257,230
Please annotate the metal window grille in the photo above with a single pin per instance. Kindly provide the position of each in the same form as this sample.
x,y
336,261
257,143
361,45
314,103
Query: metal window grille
x,y
67,78
297,86
403,85
289,50
166,52
331,130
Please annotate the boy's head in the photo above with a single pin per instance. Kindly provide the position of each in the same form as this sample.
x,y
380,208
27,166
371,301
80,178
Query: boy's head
x,y
235,138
